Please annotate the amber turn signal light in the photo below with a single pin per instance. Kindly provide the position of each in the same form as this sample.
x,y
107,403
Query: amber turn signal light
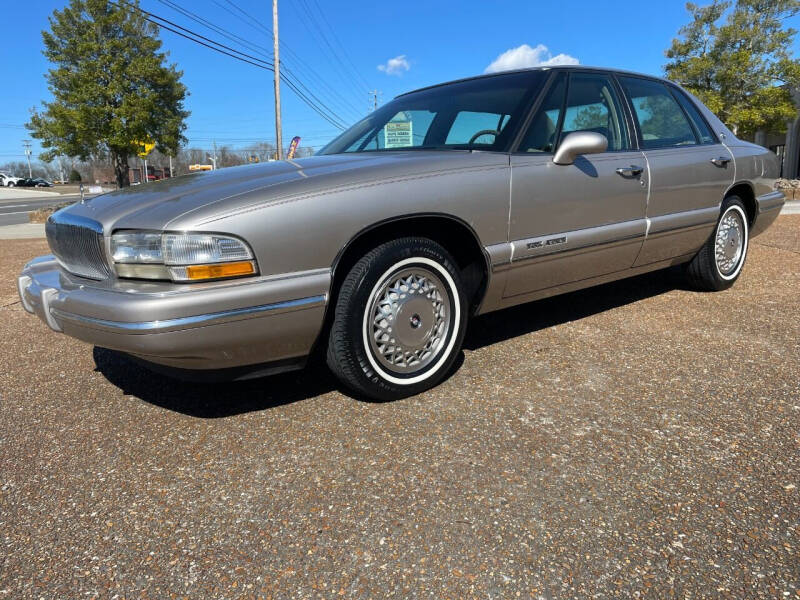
x,y
231,269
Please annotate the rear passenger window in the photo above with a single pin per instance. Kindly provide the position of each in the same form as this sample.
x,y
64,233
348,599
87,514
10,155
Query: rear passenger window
x,y
662,122
706,137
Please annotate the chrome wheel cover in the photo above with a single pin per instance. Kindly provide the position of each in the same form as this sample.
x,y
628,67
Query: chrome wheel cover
x,y
730,242
408,319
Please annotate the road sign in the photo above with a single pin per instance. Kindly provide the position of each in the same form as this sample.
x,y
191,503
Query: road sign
x,y
145,148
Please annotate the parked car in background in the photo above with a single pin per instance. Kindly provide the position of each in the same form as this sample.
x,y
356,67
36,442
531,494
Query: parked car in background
x,y
7,180
379,249
33,182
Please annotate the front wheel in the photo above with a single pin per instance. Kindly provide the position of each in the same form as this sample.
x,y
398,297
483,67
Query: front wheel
x,y
399,320
719,262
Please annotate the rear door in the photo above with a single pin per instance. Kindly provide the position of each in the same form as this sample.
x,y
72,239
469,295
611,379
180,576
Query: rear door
x,y
574,222
689,169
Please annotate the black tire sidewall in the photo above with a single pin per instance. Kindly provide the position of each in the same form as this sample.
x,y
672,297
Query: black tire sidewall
x,y
368,273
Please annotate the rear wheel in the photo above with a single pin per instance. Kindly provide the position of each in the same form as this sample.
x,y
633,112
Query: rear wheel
x,y
719,262
399,320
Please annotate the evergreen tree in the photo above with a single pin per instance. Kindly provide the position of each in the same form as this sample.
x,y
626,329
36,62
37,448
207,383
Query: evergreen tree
x,y
737,58
112,87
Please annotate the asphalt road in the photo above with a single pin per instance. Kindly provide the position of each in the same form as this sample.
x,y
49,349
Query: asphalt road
x,y
635,440
15,210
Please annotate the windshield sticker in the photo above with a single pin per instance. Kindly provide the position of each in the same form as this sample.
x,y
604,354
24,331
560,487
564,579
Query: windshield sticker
x,y
397,134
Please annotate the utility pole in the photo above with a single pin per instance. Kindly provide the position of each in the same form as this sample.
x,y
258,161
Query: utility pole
x,y
374,95
277,73
213,159
171,175
27,145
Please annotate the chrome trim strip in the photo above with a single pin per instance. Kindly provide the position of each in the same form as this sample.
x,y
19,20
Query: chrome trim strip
x,y
500,254
193,321
683,220
658,234
580,239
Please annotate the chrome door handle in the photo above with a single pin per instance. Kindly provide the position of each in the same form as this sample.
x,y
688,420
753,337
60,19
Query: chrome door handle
x,y
721,161
631,171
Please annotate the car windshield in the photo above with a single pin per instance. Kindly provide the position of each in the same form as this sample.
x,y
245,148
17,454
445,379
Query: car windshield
x,y
477,114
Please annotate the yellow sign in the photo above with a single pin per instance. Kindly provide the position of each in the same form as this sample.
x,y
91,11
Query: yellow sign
x,y
145,148
200,167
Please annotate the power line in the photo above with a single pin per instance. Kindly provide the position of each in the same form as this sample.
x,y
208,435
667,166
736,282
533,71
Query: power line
x,y
251,21
315,29
217,47
332,118
293,84
265,52
339,43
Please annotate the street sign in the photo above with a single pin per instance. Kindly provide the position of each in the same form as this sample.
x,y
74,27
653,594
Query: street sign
x,y
145,148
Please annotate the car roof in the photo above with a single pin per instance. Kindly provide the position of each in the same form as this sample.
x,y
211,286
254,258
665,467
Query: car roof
x,y
530,69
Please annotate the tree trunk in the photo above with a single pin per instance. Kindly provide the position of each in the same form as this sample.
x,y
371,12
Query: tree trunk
x,y
121,172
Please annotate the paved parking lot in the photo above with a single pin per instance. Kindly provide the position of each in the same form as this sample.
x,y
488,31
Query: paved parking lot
x,y
637,439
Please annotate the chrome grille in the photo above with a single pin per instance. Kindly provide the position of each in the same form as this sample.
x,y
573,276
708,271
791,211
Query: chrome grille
x,y
77,243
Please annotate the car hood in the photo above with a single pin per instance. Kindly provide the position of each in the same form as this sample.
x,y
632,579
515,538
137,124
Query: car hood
x,y
180,202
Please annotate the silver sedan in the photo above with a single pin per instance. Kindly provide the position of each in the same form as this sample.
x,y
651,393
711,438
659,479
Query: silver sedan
x,y
447,202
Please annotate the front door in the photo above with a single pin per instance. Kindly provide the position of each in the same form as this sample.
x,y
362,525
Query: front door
x,y
573,222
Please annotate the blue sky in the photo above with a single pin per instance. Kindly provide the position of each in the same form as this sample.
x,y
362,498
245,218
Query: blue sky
x,y
385,46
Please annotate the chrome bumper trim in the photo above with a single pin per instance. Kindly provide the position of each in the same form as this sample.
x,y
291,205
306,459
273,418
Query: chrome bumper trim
x,y
23,281
193,321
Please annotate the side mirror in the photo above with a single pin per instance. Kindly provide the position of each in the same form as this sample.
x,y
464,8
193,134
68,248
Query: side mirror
x,y
579,142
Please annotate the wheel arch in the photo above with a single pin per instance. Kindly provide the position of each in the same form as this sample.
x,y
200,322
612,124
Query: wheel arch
x,y
448,230
745,191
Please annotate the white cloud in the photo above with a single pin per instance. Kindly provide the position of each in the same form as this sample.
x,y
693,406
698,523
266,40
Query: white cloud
x,y
395,66
524,56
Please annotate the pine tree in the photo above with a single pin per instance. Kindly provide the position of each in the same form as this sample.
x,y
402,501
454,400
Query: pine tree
x,y
111,85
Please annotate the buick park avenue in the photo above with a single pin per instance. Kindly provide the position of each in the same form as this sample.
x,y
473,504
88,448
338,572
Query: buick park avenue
x,y
446,203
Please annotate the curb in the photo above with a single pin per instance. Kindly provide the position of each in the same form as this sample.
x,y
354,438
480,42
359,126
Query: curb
x,y
791,208
23,231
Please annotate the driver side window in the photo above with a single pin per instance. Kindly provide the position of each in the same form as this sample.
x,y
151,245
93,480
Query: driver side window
x,y
591,104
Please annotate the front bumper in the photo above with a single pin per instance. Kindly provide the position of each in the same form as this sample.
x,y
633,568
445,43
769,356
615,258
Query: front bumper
x,y
210,326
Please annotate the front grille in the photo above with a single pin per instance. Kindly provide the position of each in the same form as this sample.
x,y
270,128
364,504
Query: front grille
x,y
77,243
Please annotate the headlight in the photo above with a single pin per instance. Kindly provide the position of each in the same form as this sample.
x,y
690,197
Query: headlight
x,y
180,256
136,247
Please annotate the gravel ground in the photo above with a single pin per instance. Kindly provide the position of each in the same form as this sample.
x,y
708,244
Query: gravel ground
x,y
636,440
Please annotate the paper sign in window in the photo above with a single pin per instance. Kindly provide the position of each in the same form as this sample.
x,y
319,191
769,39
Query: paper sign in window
x,y
397,134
